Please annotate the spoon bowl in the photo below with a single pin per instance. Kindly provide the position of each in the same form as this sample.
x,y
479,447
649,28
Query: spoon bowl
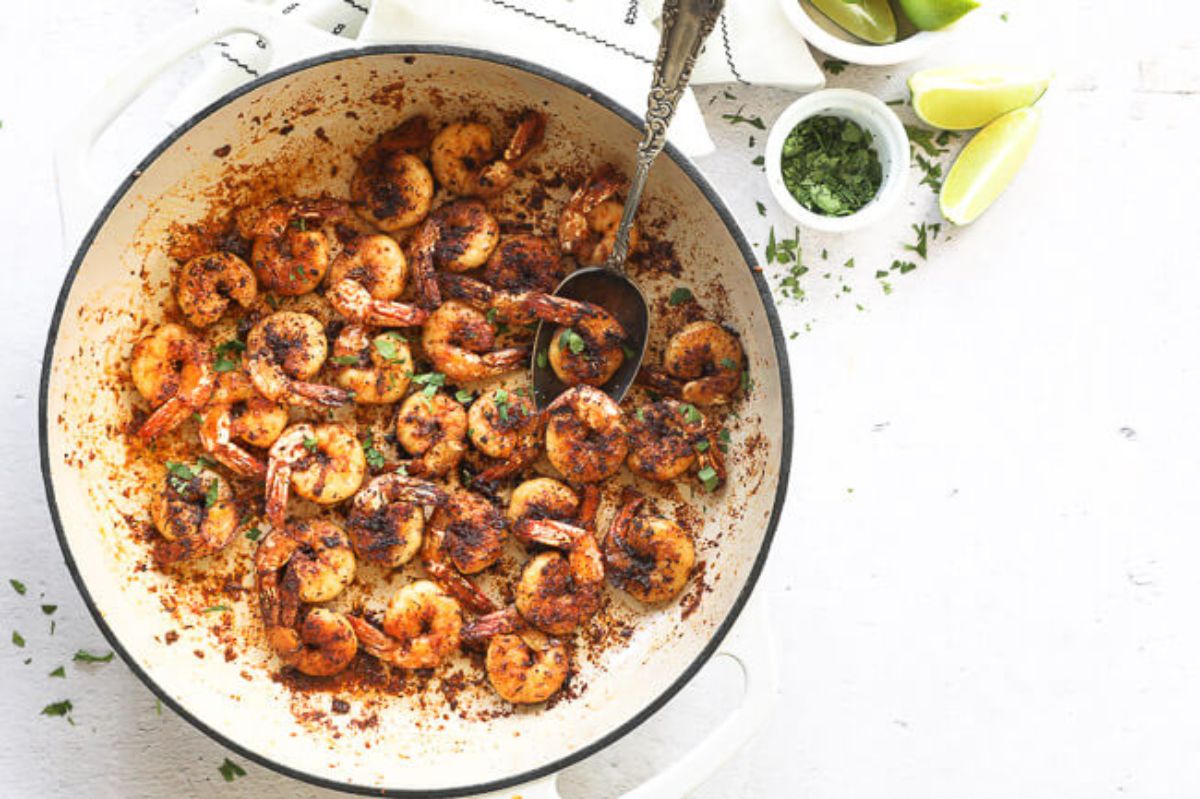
x,y
618,295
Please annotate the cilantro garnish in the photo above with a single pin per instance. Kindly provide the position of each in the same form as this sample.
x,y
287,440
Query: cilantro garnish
x,y
679,296
83,656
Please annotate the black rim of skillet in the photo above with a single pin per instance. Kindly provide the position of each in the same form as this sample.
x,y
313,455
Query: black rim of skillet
x,y
784,384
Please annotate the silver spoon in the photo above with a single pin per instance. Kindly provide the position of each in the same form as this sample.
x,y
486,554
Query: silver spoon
x,y
685,26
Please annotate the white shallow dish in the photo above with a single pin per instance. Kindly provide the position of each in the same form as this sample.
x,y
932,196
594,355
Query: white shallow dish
x,y
889,140
825,35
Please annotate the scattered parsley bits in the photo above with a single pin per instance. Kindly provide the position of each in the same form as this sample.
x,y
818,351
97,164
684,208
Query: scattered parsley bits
x,y
431,380
374,457
708,476
572,341
18,640
758,161
49,609
691,415
723,440
747,381
629,352
679,296
58,708
762,209
903,266
830,166
310,443
18,586
254,534
344,360
216,609
640,415
83,656
834,66
542,359
922,245
211,495
738,119
230,771
702,445
229,355
60,672
464,396
180,475
388,347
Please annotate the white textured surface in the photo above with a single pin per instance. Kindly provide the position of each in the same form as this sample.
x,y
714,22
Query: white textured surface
x,y
988,578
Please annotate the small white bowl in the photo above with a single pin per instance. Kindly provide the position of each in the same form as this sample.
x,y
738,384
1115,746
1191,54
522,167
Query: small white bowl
x,y
888,138
825,35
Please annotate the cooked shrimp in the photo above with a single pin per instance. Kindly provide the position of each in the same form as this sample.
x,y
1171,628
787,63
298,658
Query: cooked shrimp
x,y
586,437
708,358
385,526
439,566
554,593
171,369
195,513
649,557
354,302
457,338
392,187
324,463
237,411
542,498
373,260
463,155
506,427
422,626
422,248
287,568
434,430
475,530
467,235
524,666
285,350
208,283
587,227
524,262
377,369
291,252
663,440
588,348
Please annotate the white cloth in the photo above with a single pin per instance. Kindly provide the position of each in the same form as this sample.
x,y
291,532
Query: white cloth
x,y
608,44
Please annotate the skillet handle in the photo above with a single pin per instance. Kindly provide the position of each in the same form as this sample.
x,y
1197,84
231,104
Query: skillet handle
x,y
80,193
750,644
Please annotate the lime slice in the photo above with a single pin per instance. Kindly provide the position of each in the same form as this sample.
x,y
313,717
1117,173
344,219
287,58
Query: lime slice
x,y
932,15
988,164
961,98
870,20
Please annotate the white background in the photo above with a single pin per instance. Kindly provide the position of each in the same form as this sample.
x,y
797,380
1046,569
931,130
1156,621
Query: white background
x,y
987,583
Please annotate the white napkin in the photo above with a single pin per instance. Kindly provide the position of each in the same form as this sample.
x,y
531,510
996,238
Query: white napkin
x,y
608,44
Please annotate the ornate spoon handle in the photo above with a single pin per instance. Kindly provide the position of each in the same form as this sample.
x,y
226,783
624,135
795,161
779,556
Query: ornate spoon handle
x,y
685,26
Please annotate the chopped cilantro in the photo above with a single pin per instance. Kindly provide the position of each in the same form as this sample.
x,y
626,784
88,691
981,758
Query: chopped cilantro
x,y
18,586
762,209
388,346
702,445
708,476
212,494
830,165
17,639
59,672
904,266
229,355
82,656
723,440
58,708
310,443
464,396
49,609
216,609
542,359
738,119
572,341
834,66
344,360
254,534
680,295
691,415
921,247
230,770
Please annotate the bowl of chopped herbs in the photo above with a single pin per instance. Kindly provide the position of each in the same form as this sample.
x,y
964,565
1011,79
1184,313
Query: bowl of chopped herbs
x,y
837,160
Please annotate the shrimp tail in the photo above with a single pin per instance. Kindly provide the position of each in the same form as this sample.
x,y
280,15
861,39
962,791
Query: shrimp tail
x,y
501,361
424,243
279,477
371,638
549,532
530,132
467,593
395,314
459,287
317,394
238,460
166,417
412,134
659,382
498,622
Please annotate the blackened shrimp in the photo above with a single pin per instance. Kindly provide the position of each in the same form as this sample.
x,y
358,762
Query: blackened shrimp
x,y
207,284
385,524
460,340
321,642
542,498
664,439
475,531
375,261
237,412
422,626
441,568
649,557
284,351
354,300
587,227
376,368
506,427
524,262
392,188
586,436
172,370
557,593
467,235
433,429
524,666
323,463
195,514
291,251
708,361
463,155
589,346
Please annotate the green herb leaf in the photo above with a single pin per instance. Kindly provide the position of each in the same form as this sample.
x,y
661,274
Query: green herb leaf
x,y
388,346
60,672
834,66
464,396
82,656
691,415
310,443
904,266
708,476
18,586
18,640
216,609
229,355
49,609
702,445
640,414
344,360
212,494
58,708
723,440
254,534
543,358
738,119
374,457
728,363
922,245
572,341
680,295
758,161
230,770
762,209
747,382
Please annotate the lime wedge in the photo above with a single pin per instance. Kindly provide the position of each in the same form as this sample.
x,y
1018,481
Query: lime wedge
x,y
988,164
932,15
961,98
870,20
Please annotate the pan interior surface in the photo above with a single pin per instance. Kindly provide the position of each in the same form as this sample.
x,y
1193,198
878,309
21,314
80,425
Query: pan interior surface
x,y
298,135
